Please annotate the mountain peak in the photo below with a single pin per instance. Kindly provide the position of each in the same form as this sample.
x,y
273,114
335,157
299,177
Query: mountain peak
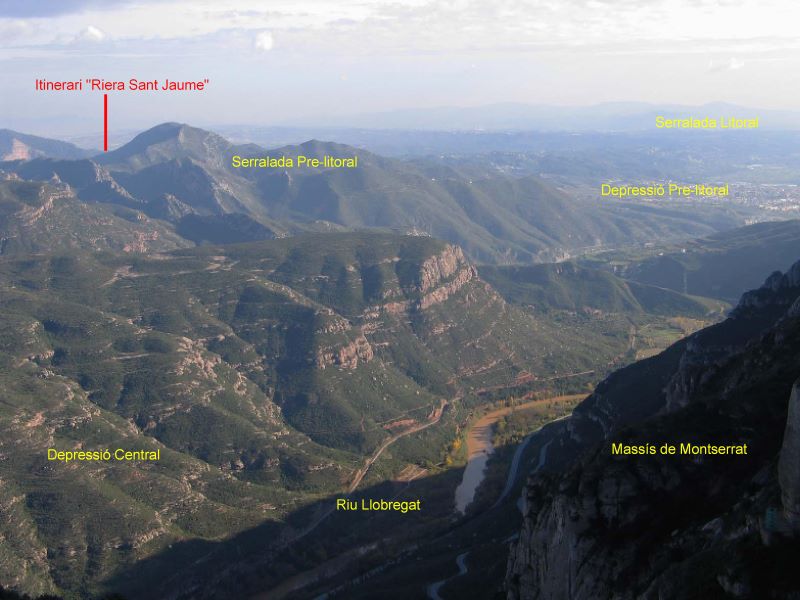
x,y
315,144
165,142
169,128
163,132
319,148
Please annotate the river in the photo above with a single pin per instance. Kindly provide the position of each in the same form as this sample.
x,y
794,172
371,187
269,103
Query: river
x,y
480,447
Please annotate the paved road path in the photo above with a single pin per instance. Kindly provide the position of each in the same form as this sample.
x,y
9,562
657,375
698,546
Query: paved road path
x,y
437,415
433,589
514,469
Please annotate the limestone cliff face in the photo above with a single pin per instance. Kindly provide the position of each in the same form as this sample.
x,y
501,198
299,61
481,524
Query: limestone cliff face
x,y
443,292
558,554
47,198
441,266
599,525
19,151
707,351
439,277
789,463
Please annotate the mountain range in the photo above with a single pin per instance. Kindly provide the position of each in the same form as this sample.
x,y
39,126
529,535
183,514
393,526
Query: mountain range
x,y
597,523
723,265
609,116
570,286
287,337
184,176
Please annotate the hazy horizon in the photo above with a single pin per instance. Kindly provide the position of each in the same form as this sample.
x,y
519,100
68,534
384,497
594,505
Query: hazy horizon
x,y
544,118
297,63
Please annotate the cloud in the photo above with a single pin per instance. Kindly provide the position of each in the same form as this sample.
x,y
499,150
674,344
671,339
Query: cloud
x,y
91,34
373,28
264,41
15,30
732,64
49,8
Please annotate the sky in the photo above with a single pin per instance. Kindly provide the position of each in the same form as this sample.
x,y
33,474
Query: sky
x,y
280,62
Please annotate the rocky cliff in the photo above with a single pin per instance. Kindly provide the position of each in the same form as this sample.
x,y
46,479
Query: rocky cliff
x,y
789,463
604,525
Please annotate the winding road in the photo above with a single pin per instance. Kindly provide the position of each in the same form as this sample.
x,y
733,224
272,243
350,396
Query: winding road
x,y
461,563
514,469
435,417
304,579
432,589
481,443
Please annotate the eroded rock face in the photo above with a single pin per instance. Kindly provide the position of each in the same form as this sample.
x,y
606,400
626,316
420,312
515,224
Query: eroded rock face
x,y
442,293
789,463
440,267
19,151
440,277
696,367
778,290
560,552
705,352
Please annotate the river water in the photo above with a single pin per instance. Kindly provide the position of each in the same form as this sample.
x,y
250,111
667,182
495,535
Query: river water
x,y
479,447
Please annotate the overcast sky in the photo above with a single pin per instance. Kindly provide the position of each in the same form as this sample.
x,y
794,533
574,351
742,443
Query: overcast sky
x,y
280,62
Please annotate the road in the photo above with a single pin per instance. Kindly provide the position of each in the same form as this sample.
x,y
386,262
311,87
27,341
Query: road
x,y
437,415
461,563
330,567
304,579
432,590
515,462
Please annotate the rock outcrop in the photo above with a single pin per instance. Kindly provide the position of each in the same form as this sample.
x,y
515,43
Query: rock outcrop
x,y
789,463
439,267
439,277
347,355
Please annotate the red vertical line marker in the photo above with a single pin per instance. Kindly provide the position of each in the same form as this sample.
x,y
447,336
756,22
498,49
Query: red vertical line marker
x,y
105,122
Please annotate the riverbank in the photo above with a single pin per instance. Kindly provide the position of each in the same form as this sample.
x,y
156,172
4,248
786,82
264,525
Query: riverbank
x,y
480,438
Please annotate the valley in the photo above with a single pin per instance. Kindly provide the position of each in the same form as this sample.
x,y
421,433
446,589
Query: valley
x,y
401,299
228,359
287,339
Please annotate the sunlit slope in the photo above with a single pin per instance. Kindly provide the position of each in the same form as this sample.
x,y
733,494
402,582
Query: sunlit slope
x,y
567,286
38,217
21,146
